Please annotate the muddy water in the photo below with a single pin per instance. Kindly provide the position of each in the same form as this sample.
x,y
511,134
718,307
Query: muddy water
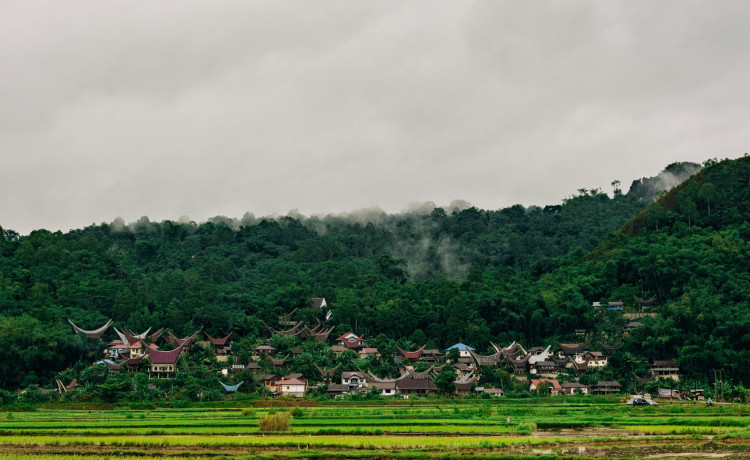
x,y
675,449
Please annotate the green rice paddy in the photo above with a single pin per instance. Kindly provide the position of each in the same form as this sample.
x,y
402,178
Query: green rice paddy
x,y
388,429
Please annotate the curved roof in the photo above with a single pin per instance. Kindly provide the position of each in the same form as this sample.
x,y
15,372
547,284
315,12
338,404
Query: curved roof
x,y
164,357
94,334
461,347
218,342
411,354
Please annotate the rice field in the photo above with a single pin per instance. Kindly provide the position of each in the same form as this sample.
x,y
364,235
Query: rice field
x,y
388,429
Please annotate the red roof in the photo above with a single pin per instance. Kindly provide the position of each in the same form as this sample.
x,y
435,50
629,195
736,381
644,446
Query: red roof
x,y
555,384
164,357
411,354
288,382
218,342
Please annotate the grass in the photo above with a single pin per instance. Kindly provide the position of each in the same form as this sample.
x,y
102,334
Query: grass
x,y
440,429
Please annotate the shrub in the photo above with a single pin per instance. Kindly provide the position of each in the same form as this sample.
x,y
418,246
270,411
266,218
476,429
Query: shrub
x,y
248,412
526,427
275,422
297,412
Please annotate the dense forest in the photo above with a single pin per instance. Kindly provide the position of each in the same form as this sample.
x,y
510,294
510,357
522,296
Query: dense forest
x,y
437,277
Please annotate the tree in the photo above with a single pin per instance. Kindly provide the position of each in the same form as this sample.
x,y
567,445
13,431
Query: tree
x,y
708,193
444,381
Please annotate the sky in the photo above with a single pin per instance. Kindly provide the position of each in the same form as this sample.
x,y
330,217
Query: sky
x,y
176,109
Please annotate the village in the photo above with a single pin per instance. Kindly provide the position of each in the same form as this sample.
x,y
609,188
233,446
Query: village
x,y
421,371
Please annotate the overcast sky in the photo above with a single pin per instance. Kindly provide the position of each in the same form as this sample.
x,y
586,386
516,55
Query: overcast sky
x,y
175,108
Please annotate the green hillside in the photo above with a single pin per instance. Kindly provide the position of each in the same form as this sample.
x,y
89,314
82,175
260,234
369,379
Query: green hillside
x,y
431,278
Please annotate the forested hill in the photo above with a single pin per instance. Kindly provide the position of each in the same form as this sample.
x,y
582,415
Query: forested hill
x,y
436,277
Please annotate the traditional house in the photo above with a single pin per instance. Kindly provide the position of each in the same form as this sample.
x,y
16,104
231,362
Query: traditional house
x,y
465,384
591,359
351,340
163,363
319,302
368,352
487,360
93,334
221,347
327,374
574,388
490,391
463,369
432,355
571,349
644,303
278,362
269,381
632,325
552,384
410,355
606,387
539,354
338,349
296,352
134,364
667,369
263,350
386,388
291,387
418,387
253,367
112,366
336,389
549,368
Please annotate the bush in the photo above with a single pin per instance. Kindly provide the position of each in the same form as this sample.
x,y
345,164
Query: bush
x,y
297,412
248,412
526,427
181,404
275,422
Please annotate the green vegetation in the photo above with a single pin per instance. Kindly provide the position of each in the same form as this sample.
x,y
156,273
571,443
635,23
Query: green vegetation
x,y
275,422
388,429
435,277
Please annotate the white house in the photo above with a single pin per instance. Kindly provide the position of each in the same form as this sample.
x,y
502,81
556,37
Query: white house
x,y
291,387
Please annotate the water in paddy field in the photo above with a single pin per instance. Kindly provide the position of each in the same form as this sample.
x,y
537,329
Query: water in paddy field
x,y
675,449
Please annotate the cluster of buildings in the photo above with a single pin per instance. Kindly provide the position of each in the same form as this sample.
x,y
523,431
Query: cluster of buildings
x,y
539,367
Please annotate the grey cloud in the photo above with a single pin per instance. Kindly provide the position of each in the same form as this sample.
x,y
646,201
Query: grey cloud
x,y
245,109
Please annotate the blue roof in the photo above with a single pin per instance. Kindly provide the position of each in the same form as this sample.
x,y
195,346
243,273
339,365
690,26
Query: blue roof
x,y
460,346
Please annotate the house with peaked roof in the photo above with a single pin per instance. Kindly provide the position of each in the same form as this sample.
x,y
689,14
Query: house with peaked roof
x,y
410,355
605,387
351,340
368,352
353,379
163,363
667,369
419,387
463,350
574,388
319,302
291,387
553,385
386,388
549,368
221,347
